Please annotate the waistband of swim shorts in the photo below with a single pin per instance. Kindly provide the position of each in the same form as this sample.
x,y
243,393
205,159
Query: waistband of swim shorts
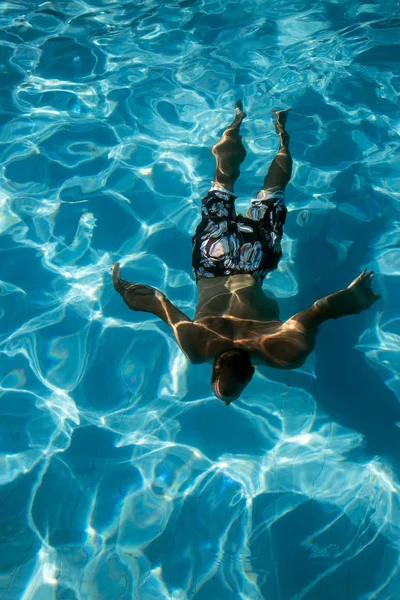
x,y
278,195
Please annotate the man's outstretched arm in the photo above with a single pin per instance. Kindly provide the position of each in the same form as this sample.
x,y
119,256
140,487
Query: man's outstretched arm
x,y
140,297
358,296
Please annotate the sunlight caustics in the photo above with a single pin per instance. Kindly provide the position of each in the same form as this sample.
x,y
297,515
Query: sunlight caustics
x,y
121,476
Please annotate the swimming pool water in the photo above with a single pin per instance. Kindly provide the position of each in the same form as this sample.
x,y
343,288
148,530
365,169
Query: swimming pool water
x,y
121,476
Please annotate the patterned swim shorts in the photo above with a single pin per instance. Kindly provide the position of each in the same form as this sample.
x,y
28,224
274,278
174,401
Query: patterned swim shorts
x,y
230,244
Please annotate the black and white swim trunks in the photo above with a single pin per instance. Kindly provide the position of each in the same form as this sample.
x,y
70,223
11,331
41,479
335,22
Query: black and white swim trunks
x,y
230,244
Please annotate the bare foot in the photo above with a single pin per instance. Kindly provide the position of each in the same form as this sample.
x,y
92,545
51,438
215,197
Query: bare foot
x,y
239,109
362,290
281,117
116,275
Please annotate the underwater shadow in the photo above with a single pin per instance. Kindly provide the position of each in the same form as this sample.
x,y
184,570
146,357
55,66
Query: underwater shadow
x,y
347,387
352,392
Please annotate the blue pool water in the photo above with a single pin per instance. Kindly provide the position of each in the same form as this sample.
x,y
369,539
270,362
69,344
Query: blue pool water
x,y
121,476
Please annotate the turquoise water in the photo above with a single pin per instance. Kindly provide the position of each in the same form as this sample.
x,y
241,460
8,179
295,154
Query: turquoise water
x,y
122,477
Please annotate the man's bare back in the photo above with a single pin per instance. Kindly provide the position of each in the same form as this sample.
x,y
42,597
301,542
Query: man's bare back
x,y
238,313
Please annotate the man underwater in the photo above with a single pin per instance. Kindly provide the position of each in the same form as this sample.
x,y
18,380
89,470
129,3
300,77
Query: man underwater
x,y
236,325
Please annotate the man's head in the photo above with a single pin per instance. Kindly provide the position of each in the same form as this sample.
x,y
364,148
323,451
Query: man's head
x,y
232,371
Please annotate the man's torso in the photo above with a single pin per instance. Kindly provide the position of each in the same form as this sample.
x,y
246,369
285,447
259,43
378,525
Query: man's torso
x,y
234,312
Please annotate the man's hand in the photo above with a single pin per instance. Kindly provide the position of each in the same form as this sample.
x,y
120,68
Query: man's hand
x,y
136,295
362,295
358,296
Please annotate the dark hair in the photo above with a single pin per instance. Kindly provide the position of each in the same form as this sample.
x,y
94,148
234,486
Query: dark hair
x,y
232,371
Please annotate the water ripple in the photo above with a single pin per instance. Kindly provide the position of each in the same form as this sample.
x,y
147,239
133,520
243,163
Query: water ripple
x,y
121,476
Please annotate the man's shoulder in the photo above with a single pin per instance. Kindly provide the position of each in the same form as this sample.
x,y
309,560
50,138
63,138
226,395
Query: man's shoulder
x,y
289,346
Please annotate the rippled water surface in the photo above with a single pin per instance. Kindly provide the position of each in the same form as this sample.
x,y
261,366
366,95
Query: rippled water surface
x,y
121,475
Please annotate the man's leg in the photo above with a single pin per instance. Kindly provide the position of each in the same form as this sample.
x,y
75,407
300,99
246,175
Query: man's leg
x,y
279,173
269,208
229,152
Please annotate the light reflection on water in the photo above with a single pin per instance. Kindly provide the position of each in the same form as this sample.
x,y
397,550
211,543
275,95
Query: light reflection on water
x,y
121,476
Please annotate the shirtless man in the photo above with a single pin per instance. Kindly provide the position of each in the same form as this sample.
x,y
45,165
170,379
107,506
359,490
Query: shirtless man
x,y
236,325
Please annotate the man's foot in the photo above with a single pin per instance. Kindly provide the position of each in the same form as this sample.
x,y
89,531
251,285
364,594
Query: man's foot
x,y
239,112
281,117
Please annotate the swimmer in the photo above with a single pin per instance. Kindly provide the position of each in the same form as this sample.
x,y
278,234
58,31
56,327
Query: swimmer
x,y
236,325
